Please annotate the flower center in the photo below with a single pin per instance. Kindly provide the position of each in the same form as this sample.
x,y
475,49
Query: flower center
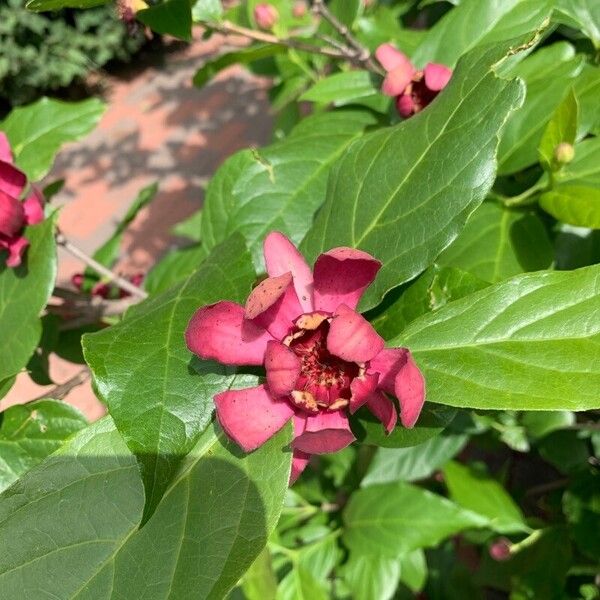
x,y
324,382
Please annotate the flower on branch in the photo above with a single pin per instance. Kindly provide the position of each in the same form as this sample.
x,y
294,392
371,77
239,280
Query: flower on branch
x,y
413,89
15,214
323,360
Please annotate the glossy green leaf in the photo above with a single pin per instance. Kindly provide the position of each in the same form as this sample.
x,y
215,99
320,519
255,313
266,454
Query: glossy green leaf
x,y
581,14
433,420
498,243
30,432
82,507
191,227
474,23
343,88
399,517
390,183
158,395
241,56
371,577
540,423
413,570
574,204
260,582
528,343
44,5
587,88
548,74
281,186
475,490
562,128
24,292
174,267
416,462
299,584
171,17
37,131
432,290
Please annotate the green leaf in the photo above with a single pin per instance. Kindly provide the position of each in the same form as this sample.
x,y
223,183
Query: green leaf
x,y
587,88
474,23
176,266
281,186
475,490
540,423
565,449
82,507
548,74
413,570
343,88
385,193
259,582
242,56
433,420
46,5
24,292
191,227
399,517
562,128
498,243
530,342
172,17
432,290
416,462
299,584
207,10
581,14
30,432
158,395
371,577
37,131
574,204
584,169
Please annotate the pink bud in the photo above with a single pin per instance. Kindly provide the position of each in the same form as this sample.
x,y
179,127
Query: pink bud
x,y
12,215
77,280
265,15
500,549
299,9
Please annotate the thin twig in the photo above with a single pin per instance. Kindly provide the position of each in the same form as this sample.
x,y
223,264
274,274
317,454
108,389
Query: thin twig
x,y
546,487
361,53
227,27
58,392
86,310
99,268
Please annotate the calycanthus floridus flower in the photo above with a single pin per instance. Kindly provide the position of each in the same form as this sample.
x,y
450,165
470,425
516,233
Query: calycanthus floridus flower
x,y
323,360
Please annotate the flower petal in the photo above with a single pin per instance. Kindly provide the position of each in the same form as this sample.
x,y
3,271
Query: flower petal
x,y
406,106
361,388
437,76
273,305
12,181
16,247
251,416
12,215
391,58
281,256
341,277
5,151
395,81
283,368
387,363
300,461
325,432
383,408
220,332
410,391
32,205
351,337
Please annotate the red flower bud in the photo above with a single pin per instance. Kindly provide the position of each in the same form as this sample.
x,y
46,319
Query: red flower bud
x,y
12,215
299,9
265,15
500,549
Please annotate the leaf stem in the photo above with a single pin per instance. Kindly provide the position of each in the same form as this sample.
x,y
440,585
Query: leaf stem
x,y
58,392
525,198
77,252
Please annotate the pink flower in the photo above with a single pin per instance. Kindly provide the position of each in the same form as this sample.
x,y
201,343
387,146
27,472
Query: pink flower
x,y
413,89
14,214
265,15
323,360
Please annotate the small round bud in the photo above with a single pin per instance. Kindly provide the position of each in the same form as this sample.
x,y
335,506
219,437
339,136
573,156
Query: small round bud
x,y
299,9
564,153
265,15
500,549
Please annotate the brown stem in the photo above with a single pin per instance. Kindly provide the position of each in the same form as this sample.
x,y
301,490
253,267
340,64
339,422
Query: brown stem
x,y
58,392
122,283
